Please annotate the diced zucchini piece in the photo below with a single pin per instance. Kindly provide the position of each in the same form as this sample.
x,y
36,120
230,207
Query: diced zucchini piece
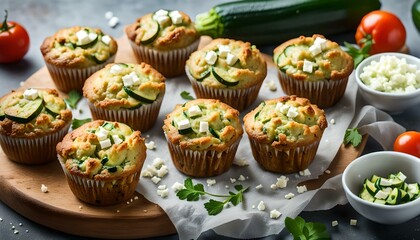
x,y
405,197
108,126
25,112
380,201
223,77
370,187
185,131
365,195
394,198
152,32
214,132
200,77
142,96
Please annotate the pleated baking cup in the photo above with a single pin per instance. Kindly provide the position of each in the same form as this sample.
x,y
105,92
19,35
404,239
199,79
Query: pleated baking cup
x,y
33,151
67,79
283,161
101,192
170,63
236,98
142,118
205,163
323,93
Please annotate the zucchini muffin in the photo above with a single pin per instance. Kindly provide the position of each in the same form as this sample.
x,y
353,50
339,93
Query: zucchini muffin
x,y
73,54
163,39
32,122
285,133
314,68
127,93
102,161
228,70
203,136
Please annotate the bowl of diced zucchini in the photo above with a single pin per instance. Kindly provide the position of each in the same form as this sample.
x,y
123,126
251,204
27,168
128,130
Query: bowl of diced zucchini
x,y
384,186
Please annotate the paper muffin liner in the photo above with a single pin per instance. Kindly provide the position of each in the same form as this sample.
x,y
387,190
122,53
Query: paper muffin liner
x,y
283,161
142,118
33,151
205,163
236,98
170,63
67,79
101,192
322,93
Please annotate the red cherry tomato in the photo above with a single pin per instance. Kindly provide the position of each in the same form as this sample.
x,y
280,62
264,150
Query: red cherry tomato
x,y
14,41
384,30
408,142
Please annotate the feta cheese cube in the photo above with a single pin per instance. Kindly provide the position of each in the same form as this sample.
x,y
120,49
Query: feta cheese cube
x,y
135,78
102,134
105,143
289,196
156,180
194,111
292,112
211,57
211,182
305,172
274,214
161,12
332,121
232,180
334,223
241,178
241,162
30,94
162,191
315,49
204,127
224,50
117,139
308,66
176,17
82,37
109,15
259,186
157,162
113,22
301,189
401,176
92,36
127,80
353,222
177,186
261,206
150,145
146,173
322,42
115,69
44,188
162,171
183,124
282,182
161,19
231,59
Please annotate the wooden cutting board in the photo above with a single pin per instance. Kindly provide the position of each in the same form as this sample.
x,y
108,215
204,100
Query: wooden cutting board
x,y
58,208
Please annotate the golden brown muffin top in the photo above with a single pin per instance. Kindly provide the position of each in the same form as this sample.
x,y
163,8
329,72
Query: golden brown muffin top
x,y
33,113
124,85
78,47
163,30
102,150
286,122
227,63
313,59
203,124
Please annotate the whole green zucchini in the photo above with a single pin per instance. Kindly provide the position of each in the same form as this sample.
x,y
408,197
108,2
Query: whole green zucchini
x,y
265,22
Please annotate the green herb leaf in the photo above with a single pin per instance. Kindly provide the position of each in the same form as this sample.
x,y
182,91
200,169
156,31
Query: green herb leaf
x,y
214,207
359,54
352,136
300,229
73,99
79,122
186,95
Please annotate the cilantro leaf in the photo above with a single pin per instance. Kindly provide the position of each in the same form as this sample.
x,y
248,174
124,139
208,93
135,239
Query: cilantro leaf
x,y
300,229
352,136
73,99
214,207
186,95
79,122
190,192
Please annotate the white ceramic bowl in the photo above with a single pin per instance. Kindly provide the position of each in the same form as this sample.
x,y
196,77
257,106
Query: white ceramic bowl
x,y
382,164
391,102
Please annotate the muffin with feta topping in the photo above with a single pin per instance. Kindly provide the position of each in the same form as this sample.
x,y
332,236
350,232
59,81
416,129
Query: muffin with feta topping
x,y
203,136
163,39
284,133
32,122
102,161
73,54
127,93
228,70
314,68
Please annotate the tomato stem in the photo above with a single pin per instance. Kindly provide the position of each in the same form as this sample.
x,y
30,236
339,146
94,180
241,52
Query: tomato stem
x,y
5,27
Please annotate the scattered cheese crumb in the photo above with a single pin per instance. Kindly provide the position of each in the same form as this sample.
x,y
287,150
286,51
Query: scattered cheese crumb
x,y
305,172
80,207
150,145
109,15
162,171
156,180
241,178
259,186
162,191
274,214
136,198
261,206
232,180
241,162
301,189
21,84
226,186
334,223
332,121
271,86
211,182
1,219
16,232
20,224
177,186
27,230
113,21
327,171
282,182
145,210
289,196
353,222
273,186
118,211
253,206
44,188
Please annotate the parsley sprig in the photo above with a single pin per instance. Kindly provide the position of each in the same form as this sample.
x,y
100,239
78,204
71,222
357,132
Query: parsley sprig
x,y
302,230
193,192
186,95
73,99
359,54
79,122
352,136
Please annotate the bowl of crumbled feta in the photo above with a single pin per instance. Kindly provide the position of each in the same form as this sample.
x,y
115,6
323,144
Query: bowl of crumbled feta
x,y
390,81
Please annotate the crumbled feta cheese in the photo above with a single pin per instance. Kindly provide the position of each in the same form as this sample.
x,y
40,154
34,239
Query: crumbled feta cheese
x,y
289,196
274,214
105,143
283,108
253,206
224,50
128,80
315,49
115,69
301,189
102,134
176,17
184,124
109,15
194,111
241,162
44,188
162,171
113,22
177,186
261,206
231,59
162,191
150,145
232,180
92,36
305,172
308,66
327,171
321,42
332,121
204,127
156,180
146,173
211,57
292,112
161,12
82,37
226,186
117,139
211,182
30,94
273,186
241,178
259,186
157,162
282,182
334,223
271,86
353,222
161,19
401,176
